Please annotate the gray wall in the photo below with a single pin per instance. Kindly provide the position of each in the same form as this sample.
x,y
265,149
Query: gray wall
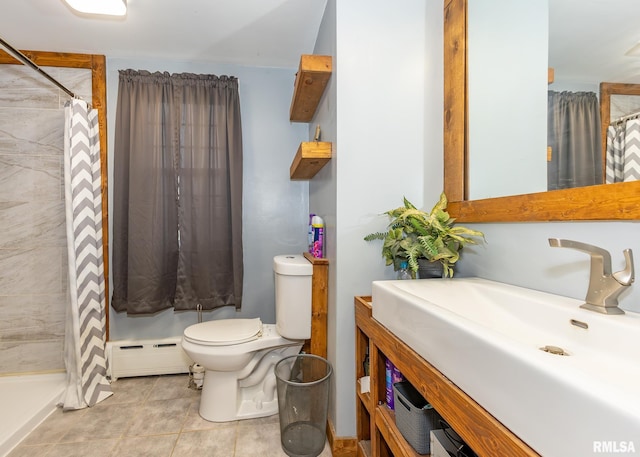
x,y
275,209
379,112
33,244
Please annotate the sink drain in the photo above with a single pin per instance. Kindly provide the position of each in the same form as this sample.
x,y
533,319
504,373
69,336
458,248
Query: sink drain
x,y
554,350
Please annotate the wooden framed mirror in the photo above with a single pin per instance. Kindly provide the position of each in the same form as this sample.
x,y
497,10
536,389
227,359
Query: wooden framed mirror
x,y
620,201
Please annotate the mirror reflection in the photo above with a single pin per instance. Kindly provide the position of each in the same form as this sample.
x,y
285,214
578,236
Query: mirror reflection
x,y
622,160
535,70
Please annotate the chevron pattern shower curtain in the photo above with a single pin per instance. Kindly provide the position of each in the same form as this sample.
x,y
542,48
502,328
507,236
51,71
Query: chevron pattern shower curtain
x,y
85,325
623,152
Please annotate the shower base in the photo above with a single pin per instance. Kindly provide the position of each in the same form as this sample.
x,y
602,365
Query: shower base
x,y
26,401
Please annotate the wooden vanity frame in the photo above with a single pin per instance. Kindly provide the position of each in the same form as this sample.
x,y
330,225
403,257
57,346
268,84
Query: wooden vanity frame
x,y
376,430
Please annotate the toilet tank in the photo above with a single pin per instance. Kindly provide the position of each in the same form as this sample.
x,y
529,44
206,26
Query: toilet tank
x,y
293,275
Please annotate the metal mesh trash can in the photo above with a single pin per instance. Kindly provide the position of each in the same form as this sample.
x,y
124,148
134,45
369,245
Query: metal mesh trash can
x,y
303,399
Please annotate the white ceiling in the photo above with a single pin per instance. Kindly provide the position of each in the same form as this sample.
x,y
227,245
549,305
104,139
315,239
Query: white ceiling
x,y
270,33
588,38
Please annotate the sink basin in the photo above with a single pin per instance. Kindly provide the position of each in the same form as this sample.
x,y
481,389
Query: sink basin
x,y
486,336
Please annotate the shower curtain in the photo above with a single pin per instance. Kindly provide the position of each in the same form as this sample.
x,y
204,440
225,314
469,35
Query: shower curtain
x,y
84,350
623,151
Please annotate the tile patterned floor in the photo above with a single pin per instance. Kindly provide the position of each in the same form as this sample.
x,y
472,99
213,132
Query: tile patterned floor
x,y
153,416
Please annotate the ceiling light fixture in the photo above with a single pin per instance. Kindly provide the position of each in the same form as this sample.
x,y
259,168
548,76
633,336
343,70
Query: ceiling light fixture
x,y
107,7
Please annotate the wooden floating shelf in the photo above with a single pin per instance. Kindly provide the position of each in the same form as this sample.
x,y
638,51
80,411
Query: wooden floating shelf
x,y
311,80
310,158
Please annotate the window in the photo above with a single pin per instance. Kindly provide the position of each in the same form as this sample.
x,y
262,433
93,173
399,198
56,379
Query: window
x,y
177,193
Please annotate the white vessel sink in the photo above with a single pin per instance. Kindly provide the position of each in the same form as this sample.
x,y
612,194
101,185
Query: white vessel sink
x,y
486,336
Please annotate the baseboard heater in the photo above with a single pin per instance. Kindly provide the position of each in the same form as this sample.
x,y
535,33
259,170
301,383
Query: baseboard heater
x,y
128,358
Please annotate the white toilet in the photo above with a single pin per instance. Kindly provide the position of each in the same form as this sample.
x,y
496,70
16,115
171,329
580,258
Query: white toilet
x,y
238,355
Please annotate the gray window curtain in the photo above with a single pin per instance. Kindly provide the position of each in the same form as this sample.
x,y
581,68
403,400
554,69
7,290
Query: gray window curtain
x,y
177,193
573,133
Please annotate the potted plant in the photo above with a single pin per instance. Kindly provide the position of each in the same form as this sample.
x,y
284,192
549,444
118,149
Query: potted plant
x,y
415,236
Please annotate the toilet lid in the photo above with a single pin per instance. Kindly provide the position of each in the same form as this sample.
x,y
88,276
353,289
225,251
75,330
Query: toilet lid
x,y
224,331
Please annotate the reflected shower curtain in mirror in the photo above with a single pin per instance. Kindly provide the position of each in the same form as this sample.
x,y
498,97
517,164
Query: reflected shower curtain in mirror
x,y
623,151
84,348
573,134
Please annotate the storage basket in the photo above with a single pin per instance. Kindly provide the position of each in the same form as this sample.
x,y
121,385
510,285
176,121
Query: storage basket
x,y
415,418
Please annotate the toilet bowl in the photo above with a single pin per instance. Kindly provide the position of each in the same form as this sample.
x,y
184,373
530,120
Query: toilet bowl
x,y
239,355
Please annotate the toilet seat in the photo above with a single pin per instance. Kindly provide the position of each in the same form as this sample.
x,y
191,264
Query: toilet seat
x,y
224,332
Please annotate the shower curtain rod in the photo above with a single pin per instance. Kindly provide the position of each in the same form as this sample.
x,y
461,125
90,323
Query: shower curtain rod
x,y
28,62
626,117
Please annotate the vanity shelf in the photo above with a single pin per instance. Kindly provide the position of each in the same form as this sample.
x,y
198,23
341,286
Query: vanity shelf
x,y
310,158
311,80
377,433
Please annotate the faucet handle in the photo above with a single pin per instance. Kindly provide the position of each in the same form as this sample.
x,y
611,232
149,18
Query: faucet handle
x,y
627,276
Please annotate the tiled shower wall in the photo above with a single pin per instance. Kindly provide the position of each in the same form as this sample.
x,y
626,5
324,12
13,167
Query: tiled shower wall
x,y
33,247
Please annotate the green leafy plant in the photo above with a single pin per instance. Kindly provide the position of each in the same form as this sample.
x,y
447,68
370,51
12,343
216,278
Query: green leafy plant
x,y
415,234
